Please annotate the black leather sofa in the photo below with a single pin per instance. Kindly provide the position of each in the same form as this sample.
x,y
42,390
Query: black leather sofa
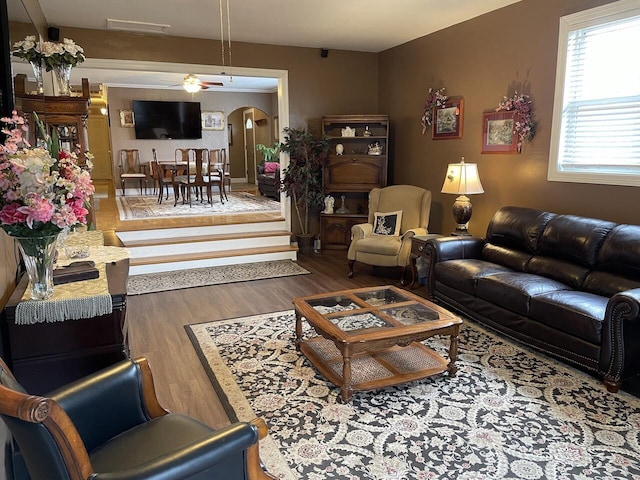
x,y
269,183
567,285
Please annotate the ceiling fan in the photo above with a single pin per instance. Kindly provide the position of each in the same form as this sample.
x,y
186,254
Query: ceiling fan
x,y
193,84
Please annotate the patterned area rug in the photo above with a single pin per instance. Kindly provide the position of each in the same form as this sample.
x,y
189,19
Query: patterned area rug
x,y
135,208
508,414
200,277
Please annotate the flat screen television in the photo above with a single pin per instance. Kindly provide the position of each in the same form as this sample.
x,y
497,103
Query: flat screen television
x,y
160,120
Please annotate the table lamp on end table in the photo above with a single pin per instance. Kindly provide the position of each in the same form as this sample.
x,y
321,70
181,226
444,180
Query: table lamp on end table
x,y
462,179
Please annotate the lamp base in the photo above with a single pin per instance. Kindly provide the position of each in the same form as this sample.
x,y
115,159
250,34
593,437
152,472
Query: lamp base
x,y
462,214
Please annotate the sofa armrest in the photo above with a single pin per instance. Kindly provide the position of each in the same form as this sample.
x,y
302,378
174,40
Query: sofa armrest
x,y
360,231
106,403
620,351
453,248
412,232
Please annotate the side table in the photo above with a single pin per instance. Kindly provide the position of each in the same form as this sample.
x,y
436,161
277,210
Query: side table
x,y
418,249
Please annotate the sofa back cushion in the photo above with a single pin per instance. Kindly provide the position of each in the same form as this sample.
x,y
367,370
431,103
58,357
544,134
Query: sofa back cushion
x,y
574,239
518,228
514,259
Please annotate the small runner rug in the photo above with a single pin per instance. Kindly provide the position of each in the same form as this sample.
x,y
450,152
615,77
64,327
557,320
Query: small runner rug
x,y
140,207
509,413
200,277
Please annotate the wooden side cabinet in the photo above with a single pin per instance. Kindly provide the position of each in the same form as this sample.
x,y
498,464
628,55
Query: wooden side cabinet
x,y
358,159
336,230
46,355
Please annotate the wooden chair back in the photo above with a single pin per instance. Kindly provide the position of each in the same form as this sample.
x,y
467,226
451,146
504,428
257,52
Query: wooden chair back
x,y
130,160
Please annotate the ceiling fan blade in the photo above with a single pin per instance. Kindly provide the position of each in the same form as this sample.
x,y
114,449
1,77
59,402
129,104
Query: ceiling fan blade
x,y
213,84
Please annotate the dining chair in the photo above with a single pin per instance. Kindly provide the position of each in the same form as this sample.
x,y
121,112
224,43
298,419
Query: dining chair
x,y
131,169
226,161
199,176
158,174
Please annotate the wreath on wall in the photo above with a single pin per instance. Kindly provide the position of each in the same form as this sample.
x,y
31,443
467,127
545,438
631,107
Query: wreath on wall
x,y
435,99
523,126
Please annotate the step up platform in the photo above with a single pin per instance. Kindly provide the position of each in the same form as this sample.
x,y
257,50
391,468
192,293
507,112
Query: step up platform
x,y
170,249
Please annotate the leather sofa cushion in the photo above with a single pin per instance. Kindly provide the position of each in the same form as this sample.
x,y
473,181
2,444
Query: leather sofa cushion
x,y
514,259
268,179
574,312
620,252
608,284
513,290
380,245
518,228
574,239
464,274
565,272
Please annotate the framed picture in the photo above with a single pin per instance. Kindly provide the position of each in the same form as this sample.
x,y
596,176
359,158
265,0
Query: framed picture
x,y
126,118
448,120
498,134
213,121
230,133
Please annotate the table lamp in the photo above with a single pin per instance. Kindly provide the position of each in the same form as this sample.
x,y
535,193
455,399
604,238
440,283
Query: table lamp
x,y
462,179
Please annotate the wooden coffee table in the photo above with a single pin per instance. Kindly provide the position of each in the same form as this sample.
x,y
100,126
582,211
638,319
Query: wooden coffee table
x,y
368,338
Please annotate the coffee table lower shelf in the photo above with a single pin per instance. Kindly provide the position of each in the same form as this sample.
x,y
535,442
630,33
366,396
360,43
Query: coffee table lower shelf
x,y
372,370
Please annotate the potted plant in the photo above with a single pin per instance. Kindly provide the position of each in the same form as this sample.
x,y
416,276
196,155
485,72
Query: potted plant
x,y
302,179
269,154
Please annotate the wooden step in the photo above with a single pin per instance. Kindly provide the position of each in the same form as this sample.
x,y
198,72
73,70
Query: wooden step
x,y
204,238
210,255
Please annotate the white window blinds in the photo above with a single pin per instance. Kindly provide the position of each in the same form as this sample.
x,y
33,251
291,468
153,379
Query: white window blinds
x,y
599,128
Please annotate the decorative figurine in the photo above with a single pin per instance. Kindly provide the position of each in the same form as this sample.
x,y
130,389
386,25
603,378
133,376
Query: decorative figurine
x,y
339,149
342,208
348,132
328,204
367,132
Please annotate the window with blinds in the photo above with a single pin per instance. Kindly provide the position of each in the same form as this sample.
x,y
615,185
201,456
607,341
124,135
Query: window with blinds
x,y
596,118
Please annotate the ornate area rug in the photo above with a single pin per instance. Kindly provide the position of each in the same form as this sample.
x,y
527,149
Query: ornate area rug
x,y
200,277
140,207
508,414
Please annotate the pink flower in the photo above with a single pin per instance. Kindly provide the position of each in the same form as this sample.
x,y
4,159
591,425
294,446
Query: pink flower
x,y
78,209
11,214
37,209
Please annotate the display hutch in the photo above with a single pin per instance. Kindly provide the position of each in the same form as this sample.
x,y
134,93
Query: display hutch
x,y
357,163
67,115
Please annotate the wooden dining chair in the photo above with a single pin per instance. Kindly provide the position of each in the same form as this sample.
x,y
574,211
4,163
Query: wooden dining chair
x,y
226,162
131,169
158,172
198,177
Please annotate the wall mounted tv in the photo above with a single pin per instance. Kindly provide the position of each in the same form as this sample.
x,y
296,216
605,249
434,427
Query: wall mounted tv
x,y
167,120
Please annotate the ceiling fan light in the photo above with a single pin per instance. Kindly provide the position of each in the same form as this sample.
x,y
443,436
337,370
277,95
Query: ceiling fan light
x,y
191,84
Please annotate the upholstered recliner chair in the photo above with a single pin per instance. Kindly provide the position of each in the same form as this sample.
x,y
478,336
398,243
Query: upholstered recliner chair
x,y
110,425
269,179
396,214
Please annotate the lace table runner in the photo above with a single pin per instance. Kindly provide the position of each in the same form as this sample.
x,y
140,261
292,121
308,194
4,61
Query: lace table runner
x,y
75,300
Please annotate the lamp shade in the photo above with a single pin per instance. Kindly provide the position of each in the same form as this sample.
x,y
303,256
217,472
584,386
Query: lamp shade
x,y
462,178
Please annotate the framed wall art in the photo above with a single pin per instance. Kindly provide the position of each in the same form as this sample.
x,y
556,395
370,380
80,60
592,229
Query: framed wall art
x,y
213,121
498,134
126,118
448,120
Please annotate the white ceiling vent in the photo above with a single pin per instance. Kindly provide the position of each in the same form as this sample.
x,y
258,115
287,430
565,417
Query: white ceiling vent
x,y
140,27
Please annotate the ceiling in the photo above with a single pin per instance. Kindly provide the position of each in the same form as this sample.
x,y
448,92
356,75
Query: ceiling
x,y
358,25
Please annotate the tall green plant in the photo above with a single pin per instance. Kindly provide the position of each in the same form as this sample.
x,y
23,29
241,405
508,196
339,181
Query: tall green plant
x,y
270,153
302,179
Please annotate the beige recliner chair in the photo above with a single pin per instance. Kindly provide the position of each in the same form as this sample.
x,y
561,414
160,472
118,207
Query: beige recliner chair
x,y
380,241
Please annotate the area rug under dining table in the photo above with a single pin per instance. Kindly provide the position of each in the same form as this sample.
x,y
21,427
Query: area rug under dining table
x,y
509,413
146,206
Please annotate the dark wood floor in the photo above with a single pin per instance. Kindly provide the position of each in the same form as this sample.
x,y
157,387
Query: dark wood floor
x,y
156,324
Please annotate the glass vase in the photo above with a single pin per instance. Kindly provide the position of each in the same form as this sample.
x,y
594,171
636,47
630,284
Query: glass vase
x,y
61,78
36,65
39,254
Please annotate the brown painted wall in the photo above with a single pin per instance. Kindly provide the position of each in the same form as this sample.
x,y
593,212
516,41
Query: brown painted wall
x,y
483,60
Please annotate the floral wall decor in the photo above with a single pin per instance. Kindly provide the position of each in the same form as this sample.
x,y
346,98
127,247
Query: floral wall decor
x,y
523,126
435,99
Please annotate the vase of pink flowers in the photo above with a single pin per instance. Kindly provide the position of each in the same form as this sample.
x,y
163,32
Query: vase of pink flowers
x,y
42,191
